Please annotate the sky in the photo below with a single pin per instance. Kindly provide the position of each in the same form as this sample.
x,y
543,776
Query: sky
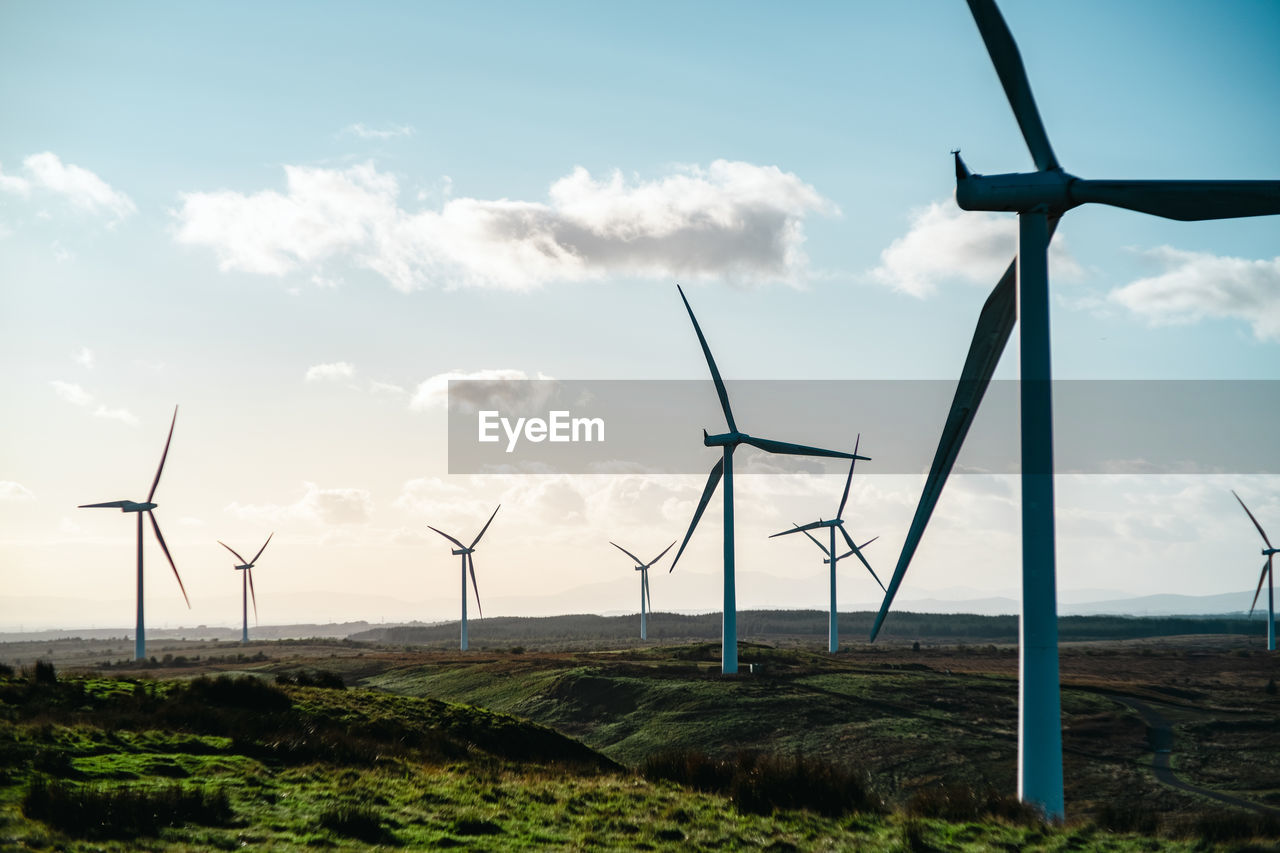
x,y
296,220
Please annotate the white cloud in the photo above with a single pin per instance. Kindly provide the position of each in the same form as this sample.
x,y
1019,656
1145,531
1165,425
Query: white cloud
x,y
1196,285
78,185
72,393
503,388
11,491
946,243
332,371
731,219
360,130
77,396
316,506
14,185
376,387
123,415
84,357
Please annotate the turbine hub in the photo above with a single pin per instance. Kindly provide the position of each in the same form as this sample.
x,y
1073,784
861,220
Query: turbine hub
x,y
135,507
457,552
1017,192
723,439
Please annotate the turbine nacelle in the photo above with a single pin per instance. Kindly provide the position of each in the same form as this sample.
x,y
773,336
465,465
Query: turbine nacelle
x,y
457,552
727,439
124,506
244,567
1014,192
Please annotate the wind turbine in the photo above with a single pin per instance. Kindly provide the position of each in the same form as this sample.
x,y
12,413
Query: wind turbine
x,y
729,441
1040,198
1267,552
837,523
146,507
643,569
468,564
246,584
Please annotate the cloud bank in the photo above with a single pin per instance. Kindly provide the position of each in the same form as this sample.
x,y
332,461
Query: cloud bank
x,y
1197,285
733,220
84,190
316,506
946,243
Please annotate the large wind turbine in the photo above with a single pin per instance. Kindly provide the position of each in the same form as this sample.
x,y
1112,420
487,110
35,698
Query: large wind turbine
x,y
643,569
246,584
1040,198
729,442
140,640
1269,553
833,636
468,564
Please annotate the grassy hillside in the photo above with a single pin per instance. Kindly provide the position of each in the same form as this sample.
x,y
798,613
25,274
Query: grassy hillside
x,y
103,764
808,626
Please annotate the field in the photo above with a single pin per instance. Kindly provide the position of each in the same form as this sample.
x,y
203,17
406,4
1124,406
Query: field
x,y
640,746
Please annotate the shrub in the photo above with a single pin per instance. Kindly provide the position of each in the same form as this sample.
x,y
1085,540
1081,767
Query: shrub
x,y
761,784
90,811
958,803
318,678
44,673
359,822
244,691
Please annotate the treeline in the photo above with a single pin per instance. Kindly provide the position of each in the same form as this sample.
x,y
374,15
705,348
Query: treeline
x,y
588,629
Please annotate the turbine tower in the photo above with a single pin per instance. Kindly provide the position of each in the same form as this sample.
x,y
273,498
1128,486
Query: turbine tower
x,y
246,585
1040,198
1269,553
729,442
837,523
468,565
146,507
643,569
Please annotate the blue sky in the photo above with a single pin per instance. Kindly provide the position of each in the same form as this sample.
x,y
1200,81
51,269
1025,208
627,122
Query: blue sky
x,y
201,203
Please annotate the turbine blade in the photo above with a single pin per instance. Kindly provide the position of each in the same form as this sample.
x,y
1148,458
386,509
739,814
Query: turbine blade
x,y
639,562
994,326
711,362
799,528
660,556
717,471
113,504
168,556
242,560
789,449
151,494
471,567
447,536
1261,578
1013,77
857,552
1187,201
1254,520
253,595
647,596
254,561
849,480
486,527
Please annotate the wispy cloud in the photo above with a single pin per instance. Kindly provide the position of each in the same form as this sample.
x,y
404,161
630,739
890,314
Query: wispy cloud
x,y
77,396
12,491
731,219
84,357
501,387
72,393
1196,285
945,243
332,371
390,132
316,506
83,189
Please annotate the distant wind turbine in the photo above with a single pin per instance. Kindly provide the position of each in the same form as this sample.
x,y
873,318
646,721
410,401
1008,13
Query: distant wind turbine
x,y
837,523
246,584
729,442
140,639
468,565
1040,198
1268,552
643,569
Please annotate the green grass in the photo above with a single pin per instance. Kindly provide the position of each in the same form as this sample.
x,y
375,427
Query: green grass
x,y
303,768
